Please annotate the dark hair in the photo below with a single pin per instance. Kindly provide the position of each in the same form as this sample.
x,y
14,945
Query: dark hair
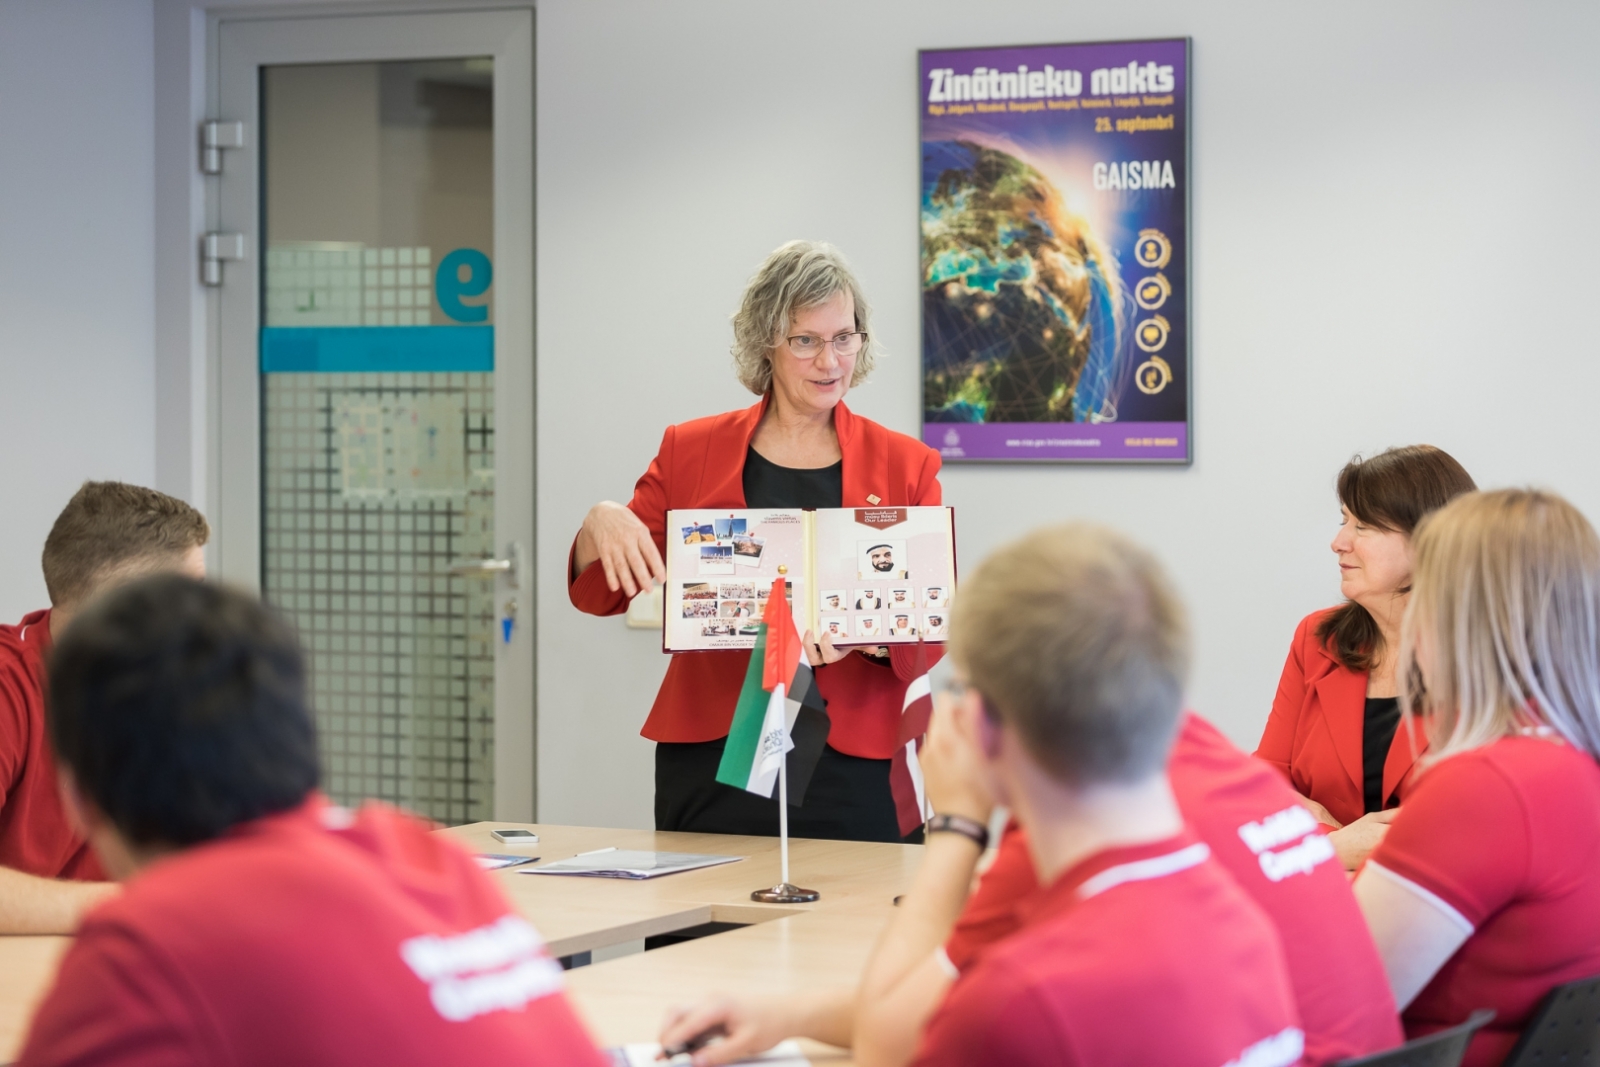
x,y
1392,491
107,526
180,708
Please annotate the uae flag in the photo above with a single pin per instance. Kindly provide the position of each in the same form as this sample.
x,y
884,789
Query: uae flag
x,y
780,715
905,772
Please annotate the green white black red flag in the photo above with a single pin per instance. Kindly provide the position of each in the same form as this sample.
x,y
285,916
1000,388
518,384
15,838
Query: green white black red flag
x,y
780,716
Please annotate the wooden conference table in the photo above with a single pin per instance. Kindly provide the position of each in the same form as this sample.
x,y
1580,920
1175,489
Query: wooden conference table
x,y
780,949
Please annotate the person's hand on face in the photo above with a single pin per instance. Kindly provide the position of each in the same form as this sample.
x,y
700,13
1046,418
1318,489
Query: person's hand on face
x,y
624,547
954,768
1374,564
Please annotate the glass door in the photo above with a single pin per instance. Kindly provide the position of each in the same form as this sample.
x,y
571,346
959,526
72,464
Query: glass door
x,y
381,372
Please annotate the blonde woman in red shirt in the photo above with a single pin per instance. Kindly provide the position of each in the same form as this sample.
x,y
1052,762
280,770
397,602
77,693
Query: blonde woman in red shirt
x,y
1486,891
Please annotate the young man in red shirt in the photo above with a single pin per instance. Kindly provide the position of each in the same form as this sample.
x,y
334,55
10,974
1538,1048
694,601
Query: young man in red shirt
x,y
1141,949
108,533
260,925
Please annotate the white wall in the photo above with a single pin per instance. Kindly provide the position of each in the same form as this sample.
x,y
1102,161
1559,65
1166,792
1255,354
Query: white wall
x,y
1393,234
77,355
1394,230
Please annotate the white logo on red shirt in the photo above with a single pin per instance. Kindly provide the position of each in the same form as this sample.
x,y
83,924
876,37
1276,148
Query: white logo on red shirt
x,y
1280,828
499,967
1280,1050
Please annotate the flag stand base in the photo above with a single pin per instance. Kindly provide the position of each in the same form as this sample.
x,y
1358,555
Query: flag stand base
x,y
784,893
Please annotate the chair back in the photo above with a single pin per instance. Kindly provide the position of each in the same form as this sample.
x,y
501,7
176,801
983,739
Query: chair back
x,y
1565,1029
1443,1048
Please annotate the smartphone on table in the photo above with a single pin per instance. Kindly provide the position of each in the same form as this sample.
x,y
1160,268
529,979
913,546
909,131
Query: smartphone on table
x,y
515,837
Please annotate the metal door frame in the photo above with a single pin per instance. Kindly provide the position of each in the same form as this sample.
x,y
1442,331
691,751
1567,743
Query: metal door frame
x,y
237,47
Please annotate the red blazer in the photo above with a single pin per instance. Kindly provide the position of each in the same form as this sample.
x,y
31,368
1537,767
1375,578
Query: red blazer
x,y
1314,732
701,466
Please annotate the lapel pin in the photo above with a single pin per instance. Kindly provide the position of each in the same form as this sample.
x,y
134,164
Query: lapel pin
x,y
872,498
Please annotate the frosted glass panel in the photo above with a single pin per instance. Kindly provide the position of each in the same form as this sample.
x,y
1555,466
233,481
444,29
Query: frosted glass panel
x,y
378,418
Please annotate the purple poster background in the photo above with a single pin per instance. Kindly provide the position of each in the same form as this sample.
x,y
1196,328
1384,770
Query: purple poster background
x,y
1054,218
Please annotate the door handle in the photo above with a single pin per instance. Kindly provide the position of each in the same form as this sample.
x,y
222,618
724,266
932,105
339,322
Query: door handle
x,y
511,566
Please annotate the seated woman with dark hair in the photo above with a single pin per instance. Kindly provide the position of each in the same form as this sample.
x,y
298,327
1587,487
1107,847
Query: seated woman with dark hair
x,y
1333,728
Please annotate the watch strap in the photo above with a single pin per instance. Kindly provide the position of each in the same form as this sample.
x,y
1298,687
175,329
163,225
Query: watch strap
x,y
971,829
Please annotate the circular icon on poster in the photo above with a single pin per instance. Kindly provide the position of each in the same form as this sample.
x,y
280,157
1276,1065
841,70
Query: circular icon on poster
x,y
1152,249
1151,292
1153,375
1151,334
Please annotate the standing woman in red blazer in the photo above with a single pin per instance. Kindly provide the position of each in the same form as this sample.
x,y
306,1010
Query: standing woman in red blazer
x,y
801,340
1333,728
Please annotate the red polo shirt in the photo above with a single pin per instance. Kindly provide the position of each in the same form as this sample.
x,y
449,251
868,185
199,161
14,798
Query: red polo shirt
x,y
1148,955
34,833
313,937
1279,856
1507,838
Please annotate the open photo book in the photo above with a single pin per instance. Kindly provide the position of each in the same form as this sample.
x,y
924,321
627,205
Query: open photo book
x,y
864,576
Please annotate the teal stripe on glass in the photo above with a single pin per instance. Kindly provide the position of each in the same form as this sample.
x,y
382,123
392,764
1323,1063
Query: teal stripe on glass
x,y
376,349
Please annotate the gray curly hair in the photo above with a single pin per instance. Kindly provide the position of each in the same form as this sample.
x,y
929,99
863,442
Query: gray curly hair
x,y
798,275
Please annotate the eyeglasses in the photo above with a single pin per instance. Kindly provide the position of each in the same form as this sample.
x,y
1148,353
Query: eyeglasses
x,y
810,346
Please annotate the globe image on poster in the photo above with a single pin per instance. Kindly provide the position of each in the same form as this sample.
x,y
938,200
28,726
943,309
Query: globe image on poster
x,y
1023,308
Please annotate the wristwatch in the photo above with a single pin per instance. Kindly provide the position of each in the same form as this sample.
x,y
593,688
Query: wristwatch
x,y
971,829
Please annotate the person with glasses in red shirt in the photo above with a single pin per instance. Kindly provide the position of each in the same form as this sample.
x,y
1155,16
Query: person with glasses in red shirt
x,y
1486,891
259,924
802,340
109,533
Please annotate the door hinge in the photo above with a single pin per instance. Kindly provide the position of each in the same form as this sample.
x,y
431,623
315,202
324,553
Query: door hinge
x,y
214,249
214,137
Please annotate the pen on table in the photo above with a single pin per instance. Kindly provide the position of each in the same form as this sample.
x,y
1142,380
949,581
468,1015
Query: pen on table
x,y
695,1043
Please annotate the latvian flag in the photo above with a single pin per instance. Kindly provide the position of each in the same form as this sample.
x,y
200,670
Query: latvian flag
x,y
905,771
780,714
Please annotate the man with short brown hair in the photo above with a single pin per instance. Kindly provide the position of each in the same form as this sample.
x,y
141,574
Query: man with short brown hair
x,y
109,533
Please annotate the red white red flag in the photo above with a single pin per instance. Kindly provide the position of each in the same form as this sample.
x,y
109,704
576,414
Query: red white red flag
x,y
905,771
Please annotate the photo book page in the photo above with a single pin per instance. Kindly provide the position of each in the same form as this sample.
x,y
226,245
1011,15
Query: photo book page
x,y
864,576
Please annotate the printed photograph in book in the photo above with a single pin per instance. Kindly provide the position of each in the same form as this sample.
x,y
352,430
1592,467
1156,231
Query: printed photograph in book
x,y
856,574
747,550
882,559
1054,209
716,559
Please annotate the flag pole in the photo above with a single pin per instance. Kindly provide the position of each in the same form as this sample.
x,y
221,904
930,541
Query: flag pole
x,y
784,892
783,818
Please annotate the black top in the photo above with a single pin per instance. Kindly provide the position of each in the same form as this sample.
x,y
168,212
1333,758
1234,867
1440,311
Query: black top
x,y
1377,734
767,485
